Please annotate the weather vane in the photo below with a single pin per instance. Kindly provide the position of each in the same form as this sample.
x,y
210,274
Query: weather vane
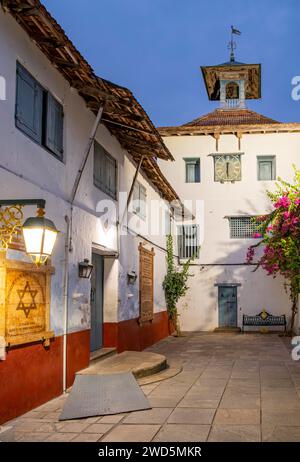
x,y
232,44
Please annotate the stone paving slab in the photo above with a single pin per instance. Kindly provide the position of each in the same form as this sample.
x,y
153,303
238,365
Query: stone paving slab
x,y
231,388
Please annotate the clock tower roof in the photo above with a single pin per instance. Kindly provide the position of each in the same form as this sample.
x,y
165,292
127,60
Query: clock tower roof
x,y
232,70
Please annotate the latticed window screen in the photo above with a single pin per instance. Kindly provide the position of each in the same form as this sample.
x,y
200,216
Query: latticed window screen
x,y
242,227
188,241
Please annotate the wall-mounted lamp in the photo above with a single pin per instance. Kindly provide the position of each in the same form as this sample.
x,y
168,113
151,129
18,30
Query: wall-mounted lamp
x,y
39,233
85,269
131,277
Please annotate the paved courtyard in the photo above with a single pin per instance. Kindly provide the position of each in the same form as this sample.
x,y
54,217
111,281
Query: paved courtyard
x,y
233,387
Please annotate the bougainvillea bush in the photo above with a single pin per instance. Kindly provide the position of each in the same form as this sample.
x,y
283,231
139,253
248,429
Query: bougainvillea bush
x,y
279,234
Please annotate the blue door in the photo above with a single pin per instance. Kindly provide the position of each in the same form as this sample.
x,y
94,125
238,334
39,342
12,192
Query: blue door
x,y
97,302
227,306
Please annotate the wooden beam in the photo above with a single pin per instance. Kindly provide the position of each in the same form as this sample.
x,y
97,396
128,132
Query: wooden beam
x,y
30,12
48,41
90,90
63,63
139,141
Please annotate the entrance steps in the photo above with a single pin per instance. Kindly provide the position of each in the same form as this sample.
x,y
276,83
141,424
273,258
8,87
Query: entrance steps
x,y
140,363
228,330
103,353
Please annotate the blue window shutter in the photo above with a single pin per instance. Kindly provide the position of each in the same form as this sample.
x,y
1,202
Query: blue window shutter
x,y
29,104
54,126
105,171
111,173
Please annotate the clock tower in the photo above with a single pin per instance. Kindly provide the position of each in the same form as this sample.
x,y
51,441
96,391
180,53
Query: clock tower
x,y
232,82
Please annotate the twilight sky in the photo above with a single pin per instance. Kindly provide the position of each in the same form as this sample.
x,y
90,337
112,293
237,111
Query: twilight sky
x,y
156,47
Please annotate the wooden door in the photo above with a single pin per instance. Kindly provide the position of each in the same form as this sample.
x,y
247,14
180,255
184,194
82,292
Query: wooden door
x,y
97,302
227,306
146,284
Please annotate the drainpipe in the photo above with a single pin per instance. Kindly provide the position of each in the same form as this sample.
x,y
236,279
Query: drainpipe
x,y
65,302
68,241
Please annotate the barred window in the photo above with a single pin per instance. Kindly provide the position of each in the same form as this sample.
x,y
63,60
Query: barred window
x,y
242,227
188,241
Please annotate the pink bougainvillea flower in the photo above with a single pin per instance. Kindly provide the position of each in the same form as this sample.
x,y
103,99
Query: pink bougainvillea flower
x,y
256,235
284,202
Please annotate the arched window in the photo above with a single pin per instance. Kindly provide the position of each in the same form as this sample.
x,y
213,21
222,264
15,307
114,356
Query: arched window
x,y
232,90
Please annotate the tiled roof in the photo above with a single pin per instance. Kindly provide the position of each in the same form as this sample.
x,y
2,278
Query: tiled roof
x,y
123,115
231,117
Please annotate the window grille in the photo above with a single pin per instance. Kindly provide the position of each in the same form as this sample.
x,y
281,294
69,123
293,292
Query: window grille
x,y
188,241
242,227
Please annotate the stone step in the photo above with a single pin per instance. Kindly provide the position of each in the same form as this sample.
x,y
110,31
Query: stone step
x,y
140,363
103,353
228,330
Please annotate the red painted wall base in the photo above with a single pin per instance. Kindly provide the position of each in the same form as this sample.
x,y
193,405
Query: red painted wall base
x,y
32,375
130,335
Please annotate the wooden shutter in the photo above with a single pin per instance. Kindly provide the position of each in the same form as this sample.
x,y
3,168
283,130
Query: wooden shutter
x,y
54,126
29,104
146,284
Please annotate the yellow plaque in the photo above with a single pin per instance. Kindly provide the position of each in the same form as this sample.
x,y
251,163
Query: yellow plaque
x,y
24,302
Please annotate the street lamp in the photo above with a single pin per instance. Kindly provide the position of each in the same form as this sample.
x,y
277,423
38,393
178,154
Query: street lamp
x,y
39,232
85,269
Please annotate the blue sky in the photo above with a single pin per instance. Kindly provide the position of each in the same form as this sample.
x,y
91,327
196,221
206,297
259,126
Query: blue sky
x,y
156,47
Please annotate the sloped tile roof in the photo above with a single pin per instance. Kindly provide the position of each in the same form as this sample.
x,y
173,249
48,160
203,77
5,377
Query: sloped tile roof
x,y
230,117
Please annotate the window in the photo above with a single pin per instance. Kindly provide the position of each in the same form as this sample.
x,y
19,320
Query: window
x,y
38,114
139,200
105,171
266,168
227,167
192,170
242,227
188,241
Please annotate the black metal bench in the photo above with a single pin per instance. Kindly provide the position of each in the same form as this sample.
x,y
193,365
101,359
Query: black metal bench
x,y
264,319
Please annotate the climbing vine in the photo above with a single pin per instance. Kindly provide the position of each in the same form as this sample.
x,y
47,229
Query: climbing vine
x,y
175,281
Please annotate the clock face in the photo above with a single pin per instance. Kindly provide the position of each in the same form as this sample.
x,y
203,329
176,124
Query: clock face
x,y
227,168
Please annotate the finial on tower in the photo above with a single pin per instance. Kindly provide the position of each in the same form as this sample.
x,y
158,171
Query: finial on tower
x,y
232,44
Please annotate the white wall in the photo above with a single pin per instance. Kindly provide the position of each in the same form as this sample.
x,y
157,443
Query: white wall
x,y
245,197
152,229
27,170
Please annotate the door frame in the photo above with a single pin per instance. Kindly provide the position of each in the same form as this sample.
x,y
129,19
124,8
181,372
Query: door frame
x,y
102,323
228,284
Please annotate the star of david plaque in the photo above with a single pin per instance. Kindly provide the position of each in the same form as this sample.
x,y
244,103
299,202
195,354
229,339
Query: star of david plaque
x,y
27,299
